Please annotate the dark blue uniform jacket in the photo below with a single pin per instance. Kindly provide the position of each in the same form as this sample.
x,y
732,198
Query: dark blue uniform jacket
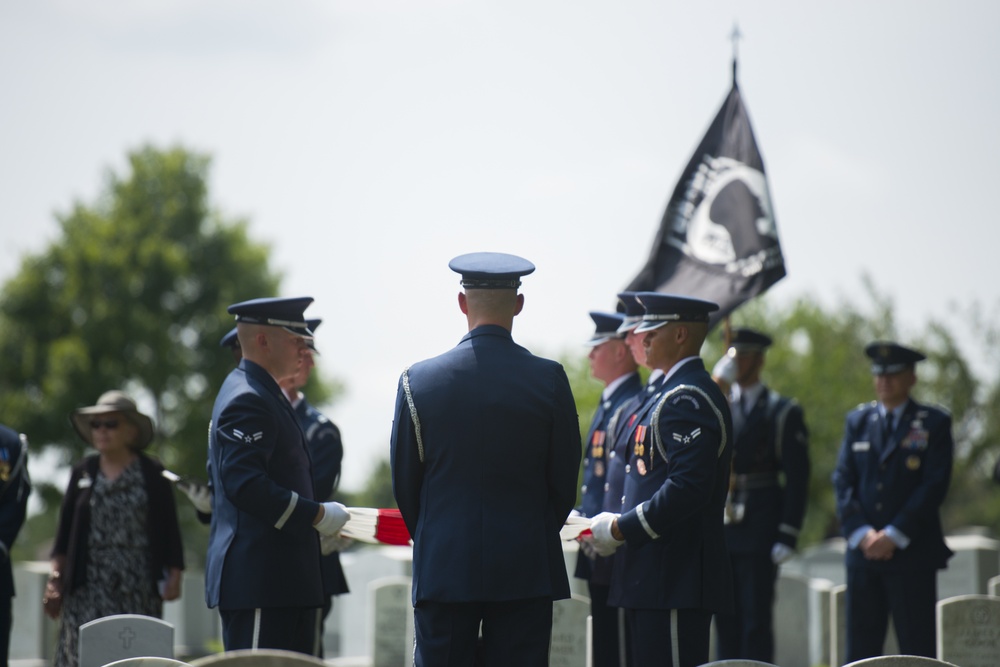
x,y
676,482
492,477
263,551
900,482
15,487
771,464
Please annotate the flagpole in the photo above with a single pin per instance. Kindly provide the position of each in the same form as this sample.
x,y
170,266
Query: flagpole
x,y
735,36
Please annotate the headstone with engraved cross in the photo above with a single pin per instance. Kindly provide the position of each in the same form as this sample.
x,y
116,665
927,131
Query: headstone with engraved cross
x,y
124,636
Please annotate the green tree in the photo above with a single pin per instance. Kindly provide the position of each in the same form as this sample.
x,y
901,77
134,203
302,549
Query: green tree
x,y
132,295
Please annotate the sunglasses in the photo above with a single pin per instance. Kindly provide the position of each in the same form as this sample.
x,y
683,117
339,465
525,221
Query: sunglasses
x,y
109,424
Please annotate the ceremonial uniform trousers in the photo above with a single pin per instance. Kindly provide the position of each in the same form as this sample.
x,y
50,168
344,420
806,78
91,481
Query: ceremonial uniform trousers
x,y
598,448
768,494
897,479
263,563
673,571
485,452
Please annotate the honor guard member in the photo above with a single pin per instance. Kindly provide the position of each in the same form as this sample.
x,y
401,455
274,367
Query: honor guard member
x,y
485,453
672,572
612,363
767,498
891,477
263,563
326,451
15,487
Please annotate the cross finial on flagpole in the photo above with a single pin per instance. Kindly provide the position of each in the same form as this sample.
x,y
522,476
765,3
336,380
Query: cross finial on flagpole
x,y
736,35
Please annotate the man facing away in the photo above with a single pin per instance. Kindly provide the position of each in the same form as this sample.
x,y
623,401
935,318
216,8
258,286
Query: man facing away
x,y
767,498
263,563
611,363
672,572
891,478
485,450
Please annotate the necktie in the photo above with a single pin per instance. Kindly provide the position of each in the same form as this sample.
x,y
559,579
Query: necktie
x,y
888,425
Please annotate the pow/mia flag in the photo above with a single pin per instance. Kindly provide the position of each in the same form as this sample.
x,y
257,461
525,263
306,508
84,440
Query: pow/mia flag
x,y
718,240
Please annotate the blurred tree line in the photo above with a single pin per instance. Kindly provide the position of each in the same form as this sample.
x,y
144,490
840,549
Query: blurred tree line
x,y
133,293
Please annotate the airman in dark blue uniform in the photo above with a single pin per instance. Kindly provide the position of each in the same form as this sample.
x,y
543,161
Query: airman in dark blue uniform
x,y
326,450
263,560
672,571
767,498
891,478
15,487
485,452
612,363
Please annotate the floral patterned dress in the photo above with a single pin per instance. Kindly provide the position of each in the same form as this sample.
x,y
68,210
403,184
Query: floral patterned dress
x,y
117,579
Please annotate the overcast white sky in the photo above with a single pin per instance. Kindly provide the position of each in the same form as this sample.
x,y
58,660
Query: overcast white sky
x,y
369,141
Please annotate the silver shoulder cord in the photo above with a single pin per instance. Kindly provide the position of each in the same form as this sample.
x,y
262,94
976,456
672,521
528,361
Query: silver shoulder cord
x,y
658,439
413,411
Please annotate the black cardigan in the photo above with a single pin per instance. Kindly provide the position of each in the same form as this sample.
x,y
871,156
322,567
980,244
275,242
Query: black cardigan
x,y
165,548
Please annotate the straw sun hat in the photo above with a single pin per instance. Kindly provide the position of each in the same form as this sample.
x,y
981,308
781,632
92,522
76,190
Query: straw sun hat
x,y
114,401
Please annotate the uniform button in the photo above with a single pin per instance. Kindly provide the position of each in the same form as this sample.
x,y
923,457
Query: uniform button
x,y
606,487
583,489
628,468
586,462
611,455
623,500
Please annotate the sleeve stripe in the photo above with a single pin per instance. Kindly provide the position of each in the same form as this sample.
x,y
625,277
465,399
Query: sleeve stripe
x,y
288,511
640,512
788,530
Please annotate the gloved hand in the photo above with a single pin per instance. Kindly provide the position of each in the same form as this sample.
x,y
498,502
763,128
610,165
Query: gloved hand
x,y
334,517
587,546
781,552
725,369
198,494
330,543
604,542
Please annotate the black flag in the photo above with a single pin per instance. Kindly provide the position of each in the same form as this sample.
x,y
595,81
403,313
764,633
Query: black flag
x,y
718,239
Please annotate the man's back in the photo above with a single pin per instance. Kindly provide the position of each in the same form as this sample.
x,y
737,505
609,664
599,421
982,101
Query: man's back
x,y
500,452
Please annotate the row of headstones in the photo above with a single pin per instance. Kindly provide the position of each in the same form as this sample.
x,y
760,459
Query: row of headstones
x,y
806,583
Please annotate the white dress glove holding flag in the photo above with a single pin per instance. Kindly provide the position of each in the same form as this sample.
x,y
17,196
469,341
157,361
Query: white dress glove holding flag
x,y
781,552
604,542
330,543
198,494
334,517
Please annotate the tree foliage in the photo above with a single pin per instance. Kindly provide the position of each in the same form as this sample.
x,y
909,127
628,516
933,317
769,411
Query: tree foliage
x,y
131,295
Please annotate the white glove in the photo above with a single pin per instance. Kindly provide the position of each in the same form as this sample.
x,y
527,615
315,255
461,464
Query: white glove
x,y
198,494
604,542
330,543
781,552
725,369
334,517
587,546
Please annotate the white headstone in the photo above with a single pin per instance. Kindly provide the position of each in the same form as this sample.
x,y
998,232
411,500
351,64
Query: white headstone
x,y
569,632
976,560
361,567
196,627
258,658
821,561
968,630
122,636
147,662
33,635
791,619
900,661
392,622
993,586
740,662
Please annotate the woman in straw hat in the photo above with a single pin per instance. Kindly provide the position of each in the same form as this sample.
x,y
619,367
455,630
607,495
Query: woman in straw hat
x,y
118,545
